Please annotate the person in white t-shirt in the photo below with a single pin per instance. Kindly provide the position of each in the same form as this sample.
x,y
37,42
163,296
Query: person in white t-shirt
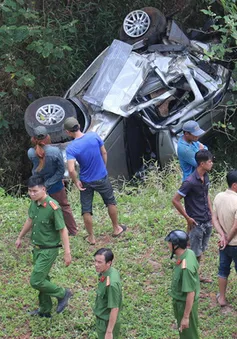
x,y
225,222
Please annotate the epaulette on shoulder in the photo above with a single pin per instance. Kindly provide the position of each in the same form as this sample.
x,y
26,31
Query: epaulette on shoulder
x,y
108,281
184,264
53,205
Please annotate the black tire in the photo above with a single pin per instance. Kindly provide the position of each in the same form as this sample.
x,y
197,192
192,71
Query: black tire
x,y
54,128
154,33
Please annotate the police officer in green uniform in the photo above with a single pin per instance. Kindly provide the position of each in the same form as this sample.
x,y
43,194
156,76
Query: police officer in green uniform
x,y
109,296
47,230
185,287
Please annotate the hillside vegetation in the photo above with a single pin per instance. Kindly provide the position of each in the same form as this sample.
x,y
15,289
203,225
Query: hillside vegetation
x,y
141,255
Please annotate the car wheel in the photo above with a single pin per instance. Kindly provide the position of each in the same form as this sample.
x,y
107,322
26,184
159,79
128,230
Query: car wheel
x,y
147,23
51,113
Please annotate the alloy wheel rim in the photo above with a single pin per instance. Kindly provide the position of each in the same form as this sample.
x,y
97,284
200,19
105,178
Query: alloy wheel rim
x,y
50,114
136,23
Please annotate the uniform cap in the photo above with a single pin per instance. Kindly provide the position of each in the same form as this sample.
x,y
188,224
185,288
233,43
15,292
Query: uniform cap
x,y
193,128
40,132
71,124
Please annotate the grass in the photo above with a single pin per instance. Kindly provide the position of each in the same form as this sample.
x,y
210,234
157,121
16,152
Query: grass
x,y
141,256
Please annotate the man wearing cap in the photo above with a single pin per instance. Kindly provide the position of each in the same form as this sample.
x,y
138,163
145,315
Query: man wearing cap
x,y
188,146
185,286
89,151
48,162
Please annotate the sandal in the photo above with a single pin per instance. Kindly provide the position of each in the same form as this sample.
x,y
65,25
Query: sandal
x,y
217,299
117,235
206,280
87,240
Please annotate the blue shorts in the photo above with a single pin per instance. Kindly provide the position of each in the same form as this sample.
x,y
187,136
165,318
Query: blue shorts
x,y
227,255
199,237
103,187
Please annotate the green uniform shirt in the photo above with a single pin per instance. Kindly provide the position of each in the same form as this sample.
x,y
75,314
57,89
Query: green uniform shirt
x,y
47,220
185,277
110,296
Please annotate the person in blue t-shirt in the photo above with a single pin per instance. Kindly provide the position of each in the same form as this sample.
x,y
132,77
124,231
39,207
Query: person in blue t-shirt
x,y
188,146
89,151
48,163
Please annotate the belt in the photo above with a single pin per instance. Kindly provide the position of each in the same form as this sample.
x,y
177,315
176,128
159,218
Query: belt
x,y
39,247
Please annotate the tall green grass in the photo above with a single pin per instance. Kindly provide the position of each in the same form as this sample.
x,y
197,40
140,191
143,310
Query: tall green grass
x,y
141,256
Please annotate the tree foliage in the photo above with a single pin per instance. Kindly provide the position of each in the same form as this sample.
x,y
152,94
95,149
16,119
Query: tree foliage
x,y
226,26
33,47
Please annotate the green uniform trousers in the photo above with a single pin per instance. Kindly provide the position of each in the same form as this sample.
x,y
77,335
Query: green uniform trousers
x,y
43,260
192,331
101,327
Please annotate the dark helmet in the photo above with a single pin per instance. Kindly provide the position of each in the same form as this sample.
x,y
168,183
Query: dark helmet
x,y
178,239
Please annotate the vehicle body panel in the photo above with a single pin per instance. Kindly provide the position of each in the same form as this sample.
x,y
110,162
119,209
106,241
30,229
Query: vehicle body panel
x,y
137,97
